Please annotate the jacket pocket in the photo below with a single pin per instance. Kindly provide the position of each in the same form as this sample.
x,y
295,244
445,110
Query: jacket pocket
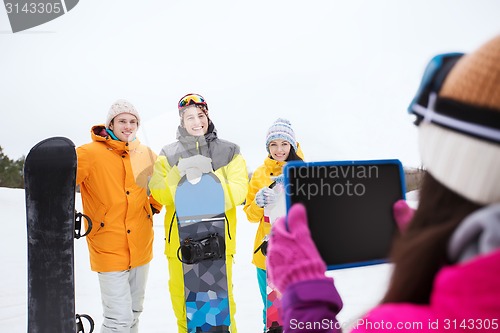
x,y
170,227
148,212
98,220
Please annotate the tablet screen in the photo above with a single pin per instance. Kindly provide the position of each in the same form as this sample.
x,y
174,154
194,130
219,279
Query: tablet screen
x,y
349,207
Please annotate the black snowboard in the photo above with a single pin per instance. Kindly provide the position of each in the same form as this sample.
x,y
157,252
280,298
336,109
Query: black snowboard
x,y
49,180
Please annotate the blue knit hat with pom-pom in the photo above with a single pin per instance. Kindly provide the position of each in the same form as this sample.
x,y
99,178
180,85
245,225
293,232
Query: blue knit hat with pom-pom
x,y
281,129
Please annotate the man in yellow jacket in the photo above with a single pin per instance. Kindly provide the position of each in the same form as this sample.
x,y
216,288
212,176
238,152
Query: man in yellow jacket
x,y
198,147
113,172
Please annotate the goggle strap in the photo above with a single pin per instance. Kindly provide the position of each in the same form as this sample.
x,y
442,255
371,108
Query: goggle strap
x,y
434,75
487,117
191,99
477,130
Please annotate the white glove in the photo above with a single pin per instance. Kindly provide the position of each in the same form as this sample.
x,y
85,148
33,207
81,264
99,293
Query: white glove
x,y
265,196
194,167
280,180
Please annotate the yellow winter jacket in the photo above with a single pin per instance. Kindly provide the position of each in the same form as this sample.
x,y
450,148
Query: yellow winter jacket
x,y
229,166
255,214
113,177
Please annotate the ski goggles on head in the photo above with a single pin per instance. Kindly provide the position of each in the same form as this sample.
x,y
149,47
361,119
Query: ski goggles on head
x,y
479,122
191,99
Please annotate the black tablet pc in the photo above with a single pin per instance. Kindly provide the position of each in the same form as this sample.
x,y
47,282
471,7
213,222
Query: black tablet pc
x,y
349,207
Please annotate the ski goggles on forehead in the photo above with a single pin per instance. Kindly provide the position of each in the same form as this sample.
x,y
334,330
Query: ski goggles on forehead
x,y
482,123
191,99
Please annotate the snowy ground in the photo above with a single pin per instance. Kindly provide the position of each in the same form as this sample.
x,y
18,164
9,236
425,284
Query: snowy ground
x,y
360,288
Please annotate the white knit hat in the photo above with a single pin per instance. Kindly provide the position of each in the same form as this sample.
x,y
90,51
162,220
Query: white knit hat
x,y
119,107
459,136
281,129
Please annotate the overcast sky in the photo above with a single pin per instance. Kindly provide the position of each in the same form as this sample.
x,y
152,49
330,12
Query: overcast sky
x,y
342,71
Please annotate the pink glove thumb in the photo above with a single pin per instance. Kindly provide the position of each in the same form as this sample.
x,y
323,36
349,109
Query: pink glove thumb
x,y
292,255
402,214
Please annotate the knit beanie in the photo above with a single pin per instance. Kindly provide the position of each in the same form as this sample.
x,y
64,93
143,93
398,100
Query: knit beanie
x,y
119,107
281,129
459,135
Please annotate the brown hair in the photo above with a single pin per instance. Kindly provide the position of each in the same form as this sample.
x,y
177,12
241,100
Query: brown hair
x,y
421,250
203,108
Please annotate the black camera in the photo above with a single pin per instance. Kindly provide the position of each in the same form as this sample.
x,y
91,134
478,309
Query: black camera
x,y
211,247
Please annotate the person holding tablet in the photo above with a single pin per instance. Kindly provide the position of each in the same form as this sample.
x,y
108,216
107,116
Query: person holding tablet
x,y
447,260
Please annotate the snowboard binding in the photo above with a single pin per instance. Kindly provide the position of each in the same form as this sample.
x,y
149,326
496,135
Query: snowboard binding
x,y
79,324
211,247
78,225
275,328
263,246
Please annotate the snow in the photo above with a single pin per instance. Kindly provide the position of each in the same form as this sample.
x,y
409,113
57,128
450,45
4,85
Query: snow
x,y
360,288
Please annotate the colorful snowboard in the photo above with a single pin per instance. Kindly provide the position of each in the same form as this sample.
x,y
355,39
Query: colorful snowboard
x,y
271,214
49,180
201,222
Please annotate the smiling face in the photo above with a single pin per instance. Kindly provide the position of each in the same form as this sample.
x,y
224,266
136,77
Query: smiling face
x,y
195,121
124,126
279,149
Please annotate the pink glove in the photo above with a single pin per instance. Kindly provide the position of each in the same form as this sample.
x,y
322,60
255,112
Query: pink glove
x,y
402,214
292,255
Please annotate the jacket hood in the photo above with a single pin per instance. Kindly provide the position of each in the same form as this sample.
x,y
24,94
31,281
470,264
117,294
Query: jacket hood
x,y
300,153
98,134
220,151
479,233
